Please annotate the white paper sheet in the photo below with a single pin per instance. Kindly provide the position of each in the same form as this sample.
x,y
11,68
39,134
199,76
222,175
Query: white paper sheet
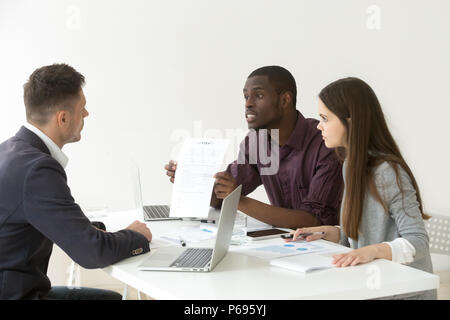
x,y
282,249
304,263
199,160
188,234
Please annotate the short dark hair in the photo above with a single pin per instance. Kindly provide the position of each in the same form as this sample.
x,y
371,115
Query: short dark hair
x,y
48,87
280,78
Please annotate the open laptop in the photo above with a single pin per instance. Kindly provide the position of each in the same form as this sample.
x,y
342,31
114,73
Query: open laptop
x,y
153,212
198,259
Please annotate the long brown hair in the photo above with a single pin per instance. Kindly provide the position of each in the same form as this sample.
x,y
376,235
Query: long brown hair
x,y
369,143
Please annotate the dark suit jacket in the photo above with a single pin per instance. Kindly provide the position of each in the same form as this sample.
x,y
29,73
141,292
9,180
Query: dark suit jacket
x,y
37,210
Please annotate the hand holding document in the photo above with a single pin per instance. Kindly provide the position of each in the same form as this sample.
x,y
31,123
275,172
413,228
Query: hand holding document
x,y
198,161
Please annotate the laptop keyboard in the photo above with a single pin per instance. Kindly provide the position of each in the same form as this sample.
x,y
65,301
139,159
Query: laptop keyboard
x,y
155,212
193,258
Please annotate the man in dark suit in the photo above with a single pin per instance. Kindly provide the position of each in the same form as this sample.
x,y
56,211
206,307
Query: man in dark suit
x,y
36,205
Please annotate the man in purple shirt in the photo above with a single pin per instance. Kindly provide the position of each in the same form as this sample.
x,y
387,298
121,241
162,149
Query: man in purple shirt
x,y
306,189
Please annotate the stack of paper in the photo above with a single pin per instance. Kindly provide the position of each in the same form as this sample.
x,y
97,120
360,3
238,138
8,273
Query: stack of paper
x,y
304,263
301,256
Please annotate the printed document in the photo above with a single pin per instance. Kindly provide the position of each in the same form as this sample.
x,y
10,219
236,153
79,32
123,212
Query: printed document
x,y
188,234
278,249
199,160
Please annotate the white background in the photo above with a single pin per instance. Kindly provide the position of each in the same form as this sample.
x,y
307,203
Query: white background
x,y
159,71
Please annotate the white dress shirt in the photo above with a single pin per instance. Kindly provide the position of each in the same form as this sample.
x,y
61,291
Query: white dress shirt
x,y
55,151
402,250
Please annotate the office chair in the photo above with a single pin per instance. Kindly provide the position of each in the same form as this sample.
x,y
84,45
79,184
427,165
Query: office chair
x,y
438,228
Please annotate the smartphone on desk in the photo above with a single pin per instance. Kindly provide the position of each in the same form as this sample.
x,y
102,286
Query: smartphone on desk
x,y
265,234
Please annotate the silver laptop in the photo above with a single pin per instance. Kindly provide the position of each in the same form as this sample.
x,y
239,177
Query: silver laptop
x,y
157,212
153,212
198,259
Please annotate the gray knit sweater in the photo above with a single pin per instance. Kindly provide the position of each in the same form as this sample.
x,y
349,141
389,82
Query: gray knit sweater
x,y
404,220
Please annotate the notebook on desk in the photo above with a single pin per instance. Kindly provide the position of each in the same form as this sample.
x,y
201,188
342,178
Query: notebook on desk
x,y
308,262
198,259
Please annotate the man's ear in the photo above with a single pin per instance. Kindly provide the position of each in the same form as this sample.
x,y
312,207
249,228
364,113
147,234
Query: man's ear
x,y
62,118
286,99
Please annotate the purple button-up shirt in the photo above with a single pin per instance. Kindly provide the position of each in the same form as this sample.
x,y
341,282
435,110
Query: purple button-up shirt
x,y
309,177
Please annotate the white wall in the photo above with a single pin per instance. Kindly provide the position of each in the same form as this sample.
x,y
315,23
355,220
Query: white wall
x,y
160,70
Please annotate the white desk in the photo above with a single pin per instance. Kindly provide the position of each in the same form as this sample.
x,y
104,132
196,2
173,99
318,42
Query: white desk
x,y
239,276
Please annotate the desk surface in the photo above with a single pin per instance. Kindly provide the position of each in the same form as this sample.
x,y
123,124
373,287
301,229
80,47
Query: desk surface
x,y
239,276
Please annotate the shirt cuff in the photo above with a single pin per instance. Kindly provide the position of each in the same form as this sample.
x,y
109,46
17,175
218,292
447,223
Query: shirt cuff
x,y
402,250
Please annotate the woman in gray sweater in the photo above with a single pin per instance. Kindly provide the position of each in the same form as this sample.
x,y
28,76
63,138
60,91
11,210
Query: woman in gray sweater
x,y
381,213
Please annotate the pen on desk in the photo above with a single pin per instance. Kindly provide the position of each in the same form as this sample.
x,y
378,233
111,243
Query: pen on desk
x,y
307,234
203,220
208,221
183,243
301,236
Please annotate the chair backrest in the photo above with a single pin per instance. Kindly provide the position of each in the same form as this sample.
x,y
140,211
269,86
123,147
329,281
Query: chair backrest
x,y
438,228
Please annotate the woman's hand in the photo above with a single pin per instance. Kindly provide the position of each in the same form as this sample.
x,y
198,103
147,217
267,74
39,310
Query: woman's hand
x,y
331,233
363,255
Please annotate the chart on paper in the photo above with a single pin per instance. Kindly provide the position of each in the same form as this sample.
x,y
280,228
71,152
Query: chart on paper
x,y
275,250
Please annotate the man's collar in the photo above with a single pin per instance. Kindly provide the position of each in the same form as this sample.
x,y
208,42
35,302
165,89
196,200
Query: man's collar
x,y
30,137
51,146
297,137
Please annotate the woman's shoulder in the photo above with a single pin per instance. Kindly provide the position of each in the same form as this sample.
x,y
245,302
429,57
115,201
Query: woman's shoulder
x,y
387,173
384,168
